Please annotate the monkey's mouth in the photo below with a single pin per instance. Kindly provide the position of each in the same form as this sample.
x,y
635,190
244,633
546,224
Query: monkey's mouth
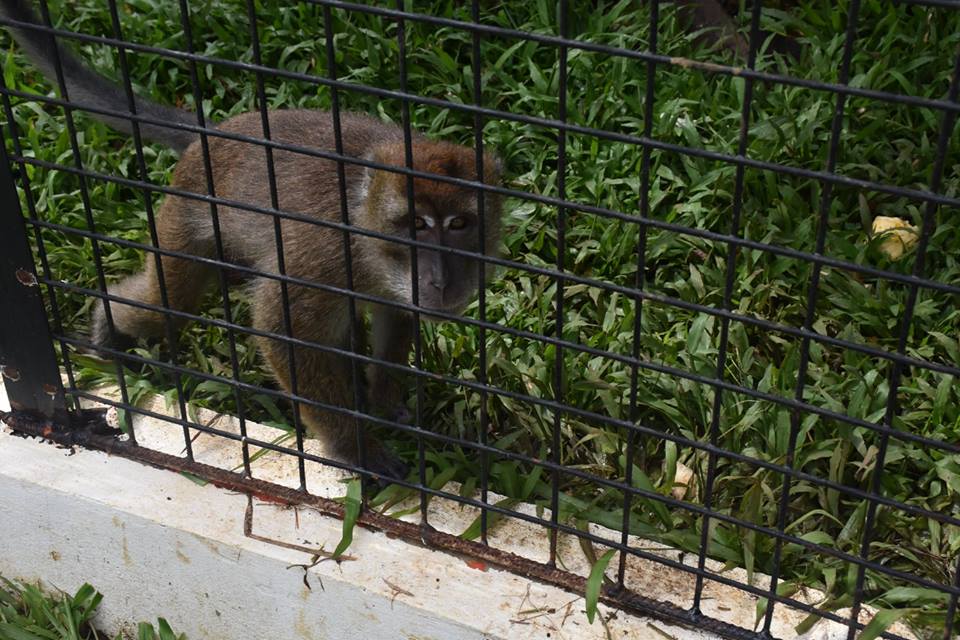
x,y
453,306
450,309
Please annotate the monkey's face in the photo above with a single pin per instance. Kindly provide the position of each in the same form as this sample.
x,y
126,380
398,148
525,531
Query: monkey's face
x,y
444,216
446,280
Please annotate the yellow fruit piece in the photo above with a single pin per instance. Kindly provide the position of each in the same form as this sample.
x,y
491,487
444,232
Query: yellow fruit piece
x,y
898,236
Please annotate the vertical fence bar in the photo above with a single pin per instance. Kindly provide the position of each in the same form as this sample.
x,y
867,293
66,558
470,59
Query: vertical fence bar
x,y
355,371
951,613
55,314
730,273
897,367
558,391
215,220
277,237
152,224
28,363
477,68
88,211
638,283
414,268
813,290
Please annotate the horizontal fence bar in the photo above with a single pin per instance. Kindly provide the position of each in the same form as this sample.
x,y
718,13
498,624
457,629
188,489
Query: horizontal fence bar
x,y
668,61
547,123
545,403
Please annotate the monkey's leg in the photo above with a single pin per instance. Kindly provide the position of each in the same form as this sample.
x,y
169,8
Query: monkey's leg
x,y
321,375
392,331
184,281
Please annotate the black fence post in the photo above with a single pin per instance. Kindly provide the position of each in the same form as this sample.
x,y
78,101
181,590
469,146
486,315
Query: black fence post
x,y
27,358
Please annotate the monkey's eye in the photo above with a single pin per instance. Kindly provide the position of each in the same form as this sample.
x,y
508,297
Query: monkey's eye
x,y
419,223
458,223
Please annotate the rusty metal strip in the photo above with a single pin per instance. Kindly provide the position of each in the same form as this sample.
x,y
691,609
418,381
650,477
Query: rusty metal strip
x,y
88,430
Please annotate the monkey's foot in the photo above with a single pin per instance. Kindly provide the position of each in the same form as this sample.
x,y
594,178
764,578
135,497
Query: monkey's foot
x,y
388,467
380,461
103,337
104,343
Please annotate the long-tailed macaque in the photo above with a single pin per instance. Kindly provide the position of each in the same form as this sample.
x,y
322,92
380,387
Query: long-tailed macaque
x,y
443,214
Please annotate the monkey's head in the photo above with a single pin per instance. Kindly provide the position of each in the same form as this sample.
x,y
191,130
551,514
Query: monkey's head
x,y
444,215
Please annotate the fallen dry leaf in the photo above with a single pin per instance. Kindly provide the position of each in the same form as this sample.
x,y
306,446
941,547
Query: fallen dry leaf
x,y
898,236
685,481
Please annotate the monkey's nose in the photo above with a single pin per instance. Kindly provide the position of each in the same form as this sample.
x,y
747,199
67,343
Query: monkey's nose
x,y
437,279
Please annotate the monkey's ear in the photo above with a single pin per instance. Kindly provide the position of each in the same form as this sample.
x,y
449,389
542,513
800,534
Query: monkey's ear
x,y
492,167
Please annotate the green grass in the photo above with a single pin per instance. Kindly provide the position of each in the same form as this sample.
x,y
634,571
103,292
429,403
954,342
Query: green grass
x,y
28,612
899,49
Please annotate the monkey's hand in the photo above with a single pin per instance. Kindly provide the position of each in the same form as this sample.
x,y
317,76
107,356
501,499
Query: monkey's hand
x,y
398,413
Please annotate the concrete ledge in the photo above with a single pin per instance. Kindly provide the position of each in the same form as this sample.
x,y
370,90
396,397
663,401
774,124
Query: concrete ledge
x,y
158,544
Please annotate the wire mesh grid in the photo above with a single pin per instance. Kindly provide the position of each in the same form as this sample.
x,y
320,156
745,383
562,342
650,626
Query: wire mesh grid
x,y
720,331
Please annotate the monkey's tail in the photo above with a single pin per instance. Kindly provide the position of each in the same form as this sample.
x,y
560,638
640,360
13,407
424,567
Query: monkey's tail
x,y
88,88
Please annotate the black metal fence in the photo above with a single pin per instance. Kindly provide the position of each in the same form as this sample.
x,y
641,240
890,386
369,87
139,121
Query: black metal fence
x,y
34,356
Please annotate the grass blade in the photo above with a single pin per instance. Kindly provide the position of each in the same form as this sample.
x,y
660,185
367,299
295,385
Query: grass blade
x,y
594,582
351,512
881,622
473,531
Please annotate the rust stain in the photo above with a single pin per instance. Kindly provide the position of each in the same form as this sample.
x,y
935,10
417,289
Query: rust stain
x,y
266,497
302,627
9,372
181,556
479,565
26,278
125,551
55,555
227,553
210,545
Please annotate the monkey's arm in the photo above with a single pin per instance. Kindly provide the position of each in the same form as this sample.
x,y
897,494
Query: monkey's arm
x,y
88,88
393,331
720,27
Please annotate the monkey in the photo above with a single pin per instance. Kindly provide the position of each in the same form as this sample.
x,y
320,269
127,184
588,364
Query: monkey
x,y
441,214
713,23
